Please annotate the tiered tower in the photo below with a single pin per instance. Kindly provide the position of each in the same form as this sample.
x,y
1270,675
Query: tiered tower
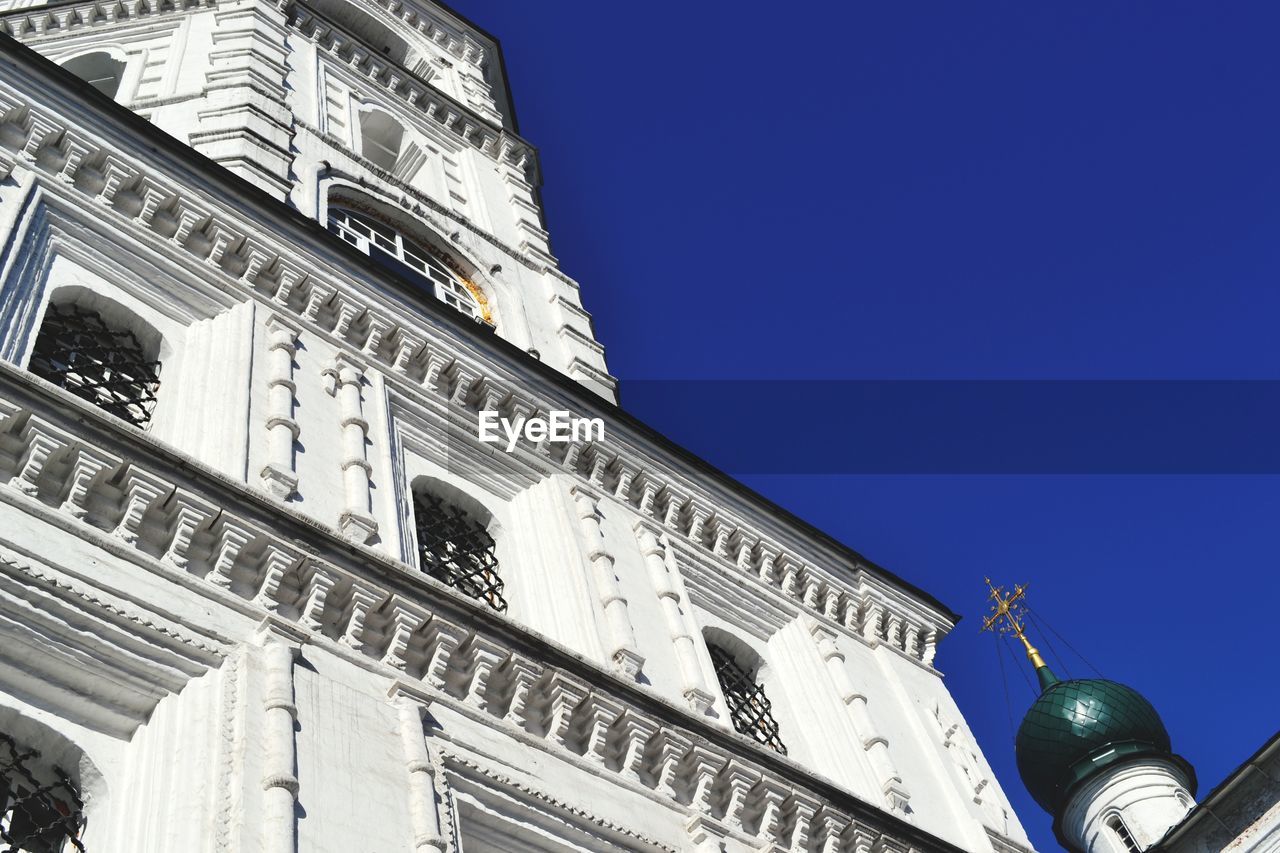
x,y
263,587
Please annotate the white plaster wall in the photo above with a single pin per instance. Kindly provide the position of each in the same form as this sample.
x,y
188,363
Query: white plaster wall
x,y
554,594
1150,795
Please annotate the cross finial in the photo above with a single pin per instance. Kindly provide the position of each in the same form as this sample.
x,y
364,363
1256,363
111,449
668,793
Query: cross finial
x,y
1008,616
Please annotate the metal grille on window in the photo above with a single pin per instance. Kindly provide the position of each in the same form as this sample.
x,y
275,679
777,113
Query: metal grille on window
x,y
40,807
78,351
457,550
749,709
382,243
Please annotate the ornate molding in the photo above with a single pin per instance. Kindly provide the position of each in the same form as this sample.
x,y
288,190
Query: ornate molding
x,y
465,662
450,758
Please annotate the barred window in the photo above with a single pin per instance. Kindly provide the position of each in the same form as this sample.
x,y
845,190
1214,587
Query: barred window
x,y
77,350
40,806
403,256
749,709
457,549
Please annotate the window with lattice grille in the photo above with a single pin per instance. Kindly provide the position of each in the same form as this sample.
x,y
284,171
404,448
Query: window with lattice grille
x,y
405,257
40,806
749,709
456,549
79,351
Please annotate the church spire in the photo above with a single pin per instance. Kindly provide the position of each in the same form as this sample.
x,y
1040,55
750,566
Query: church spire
x,y
1008,616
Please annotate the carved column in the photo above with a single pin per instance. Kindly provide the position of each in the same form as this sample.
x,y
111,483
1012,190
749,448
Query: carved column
x,y
278,475
622,639
347,377
280,644
411,704
691,681
876,746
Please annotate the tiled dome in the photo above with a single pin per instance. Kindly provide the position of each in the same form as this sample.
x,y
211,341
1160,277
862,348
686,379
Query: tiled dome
x,y
1077,728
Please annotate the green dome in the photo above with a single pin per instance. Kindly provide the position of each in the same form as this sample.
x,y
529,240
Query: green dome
x,y
1077,728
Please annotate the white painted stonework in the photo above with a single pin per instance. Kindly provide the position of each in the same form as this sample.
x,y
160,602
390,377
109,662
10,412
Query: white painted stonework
x,y
1144,798
218,624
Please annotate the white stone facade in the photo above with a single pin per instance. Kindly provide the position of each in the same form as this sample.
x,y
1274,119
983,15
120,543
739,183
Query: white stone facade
x,y
1127,807
218,625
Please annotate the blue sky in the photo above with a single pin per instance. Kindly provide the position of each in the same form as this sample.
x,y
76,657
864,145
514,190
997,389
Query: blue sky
x,y
947,190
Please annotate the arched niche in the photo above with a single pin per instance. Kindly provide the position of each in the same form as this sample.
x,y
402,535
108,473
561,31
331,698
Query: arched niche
x,y
99,69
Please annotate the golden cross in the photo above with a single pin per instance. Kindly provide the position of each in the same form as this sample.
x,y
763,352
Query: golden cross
x,y
1008,616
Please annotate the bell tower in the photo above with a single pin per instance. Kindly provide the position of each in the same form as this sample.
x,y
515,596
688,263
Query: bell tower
x,y
265,270
388,123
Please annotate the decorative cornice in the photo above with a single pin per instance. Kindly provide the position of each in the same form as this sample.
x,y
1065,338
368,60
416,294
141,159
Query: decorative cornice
x,y
453,762
459,119
59,18
580,696
48,579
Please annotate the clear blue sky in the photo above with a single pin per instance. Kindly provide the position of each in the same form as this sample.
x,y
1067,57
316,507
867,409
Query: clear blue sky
x,y
948,190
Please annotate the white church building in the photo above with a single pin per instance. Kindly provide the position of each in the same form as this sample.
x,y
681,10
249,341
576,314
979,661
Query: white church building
x,y
264,266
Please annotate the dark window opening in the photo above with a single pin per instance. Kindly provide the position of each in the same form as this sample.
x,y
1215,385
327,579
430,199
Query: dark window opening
x,y
40,812
457,550
749,709
78,351
1122,832
392,250
99,69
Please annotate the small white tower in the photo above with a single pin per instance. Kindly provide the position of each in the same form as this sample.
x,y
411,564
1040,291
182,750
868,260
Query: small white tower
x,y
1095,755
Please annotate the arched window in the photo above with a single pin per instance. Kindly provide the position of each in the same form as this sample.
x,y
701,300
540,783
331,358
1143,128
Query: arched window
x,y
99,69
749,709
404,257
40,806
457,549
1116,825
380,139
78,350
